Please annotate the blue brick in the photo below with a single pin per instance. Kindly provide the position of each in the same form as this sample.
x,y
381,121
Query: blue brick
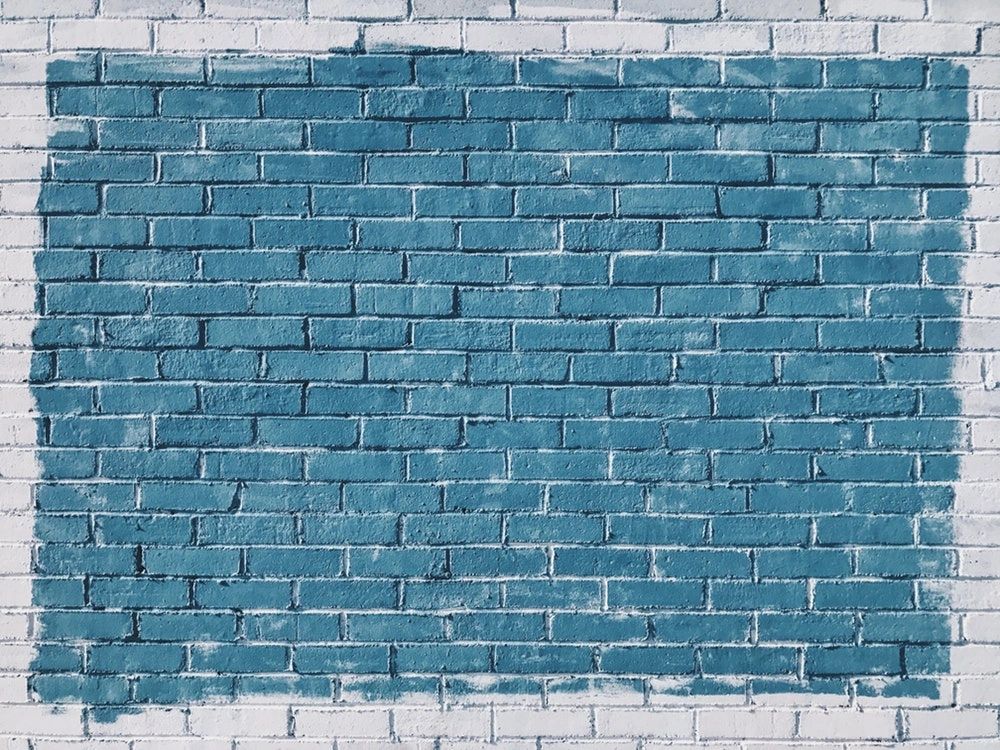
x,y
617,105
153,69
618,168
451,70
781,136
146,134
670,71
363,70
905,72
719,105
105,101
250,201
452,201
209,102
824,105
319,103
209,167
414,104
935,104
242,70
359,136
712,168
767,72
663,136
561,136
870,137
201,232
658,660
159,199
667,201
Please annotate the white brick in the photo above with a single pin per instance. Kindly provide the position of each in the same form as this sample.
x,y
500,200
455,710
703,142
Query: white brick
x,y
23,102
653,745
172,743
51,721
24,68
977,531
16,528
463,722
20,231
15,332
980,467
273,743
149,722
461,9
629,722
193,36
315,36
718,38
23,36
989,242
978,691
772,9
21,165
49,8
346,722
848,725
17,298
989,105
967,594
439,35
17,593
974,659
985,432
15,560
885,9
223,721
513,37
19,198
952,724
466,745
101,33
13,626
974,11
924,38
982,137
410,745
15,496
151,8
255,8
601,693
991,40
744,724
981,627
983,269
553,722
567,9
823,37
670,10
14,689
353,9
979,563
615,37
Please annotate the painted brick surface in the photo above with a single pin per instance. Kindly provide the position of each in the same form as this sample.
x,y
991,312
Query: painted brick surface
x,y
508,375
410,366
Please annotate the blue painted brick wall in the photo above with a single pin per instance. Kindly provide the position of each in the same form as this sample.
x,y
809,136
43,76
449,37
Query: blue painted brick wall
x,y
420,366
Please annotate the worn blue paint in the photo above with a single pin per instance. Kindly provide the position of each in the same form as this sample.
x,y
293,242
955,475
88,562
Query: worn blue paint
x,y
436,365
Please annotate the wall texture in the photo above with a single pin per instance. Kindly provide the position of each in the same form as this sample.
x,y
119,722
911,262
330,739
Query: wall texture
x,y
615,376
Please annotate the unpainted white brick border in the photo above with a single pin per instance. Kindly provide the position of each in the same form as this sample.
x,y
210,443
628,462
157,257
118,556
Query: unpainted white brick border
x,y
966,30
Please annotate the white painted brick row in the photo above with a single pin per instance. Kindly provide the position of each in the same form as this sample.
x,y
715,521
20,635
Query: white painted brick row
x,y
538,32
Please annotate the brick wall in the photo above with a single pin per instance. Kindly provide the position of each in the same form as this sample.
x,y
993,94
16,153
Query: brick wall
x,y
414,378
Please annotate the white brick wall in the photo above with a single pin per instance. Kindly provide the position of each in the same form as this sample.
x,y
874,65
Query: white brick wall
x,y
31,30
